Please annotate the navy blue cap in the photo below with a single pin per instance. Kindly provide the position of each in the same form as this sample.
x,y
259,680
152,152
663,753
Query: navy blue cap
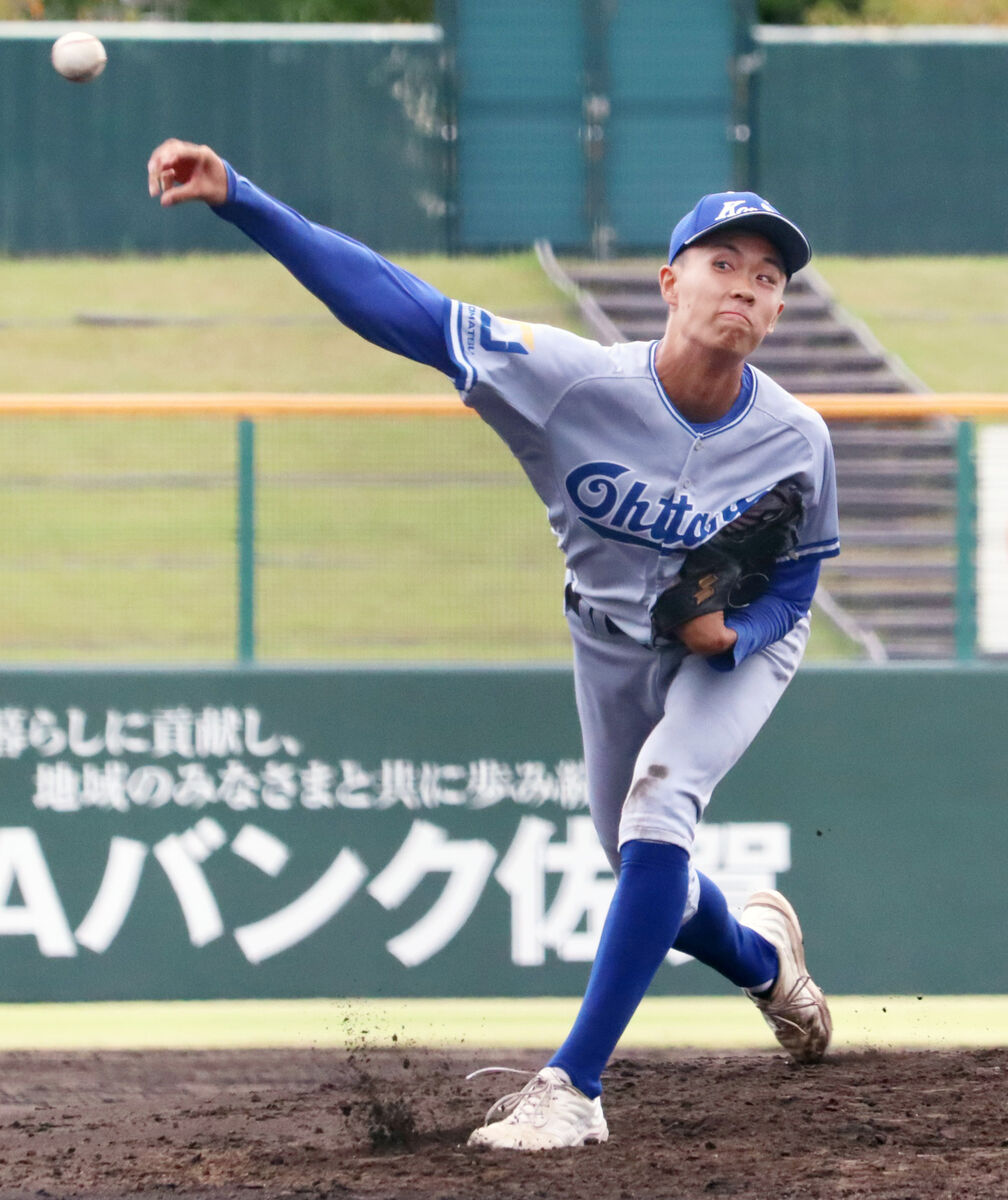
x,y
743,210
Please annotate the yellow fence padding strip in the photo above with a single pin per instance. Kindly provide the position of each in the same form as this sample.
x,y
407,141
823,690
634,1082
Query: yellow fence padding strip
x,y
880,406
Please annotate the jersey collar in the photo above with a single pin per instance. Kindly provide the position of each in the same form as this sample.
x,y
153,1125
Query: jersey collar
x,y
741,405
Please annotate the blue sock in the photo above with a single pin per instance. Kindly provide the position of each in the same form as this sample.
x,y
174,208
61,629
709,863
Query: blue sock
x,y
714,937
641,924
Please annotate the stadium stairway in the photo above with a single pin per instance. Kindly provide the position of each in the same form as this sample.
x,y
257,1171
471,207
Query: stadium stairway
x,y
893,588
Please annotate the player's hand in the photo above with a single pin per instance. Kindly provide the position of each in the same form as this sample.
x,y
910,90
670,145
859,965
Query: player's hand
x,y
181,171
707,635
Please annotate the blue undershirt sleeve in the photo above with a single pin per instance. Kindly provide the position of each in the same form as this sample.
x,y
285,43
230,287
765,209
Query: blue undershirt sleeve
x,y
772,615
382,302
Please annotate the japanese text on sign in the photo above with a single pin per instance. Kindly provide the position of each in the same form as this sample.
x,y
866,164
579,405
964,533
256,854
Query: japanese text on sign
x,y
741,857
86,763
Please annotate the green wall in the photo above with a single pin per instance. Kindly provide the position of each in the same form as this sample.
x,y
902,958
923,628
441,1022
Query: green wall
x,y
590,123
887,146
343,123
560,121
322,833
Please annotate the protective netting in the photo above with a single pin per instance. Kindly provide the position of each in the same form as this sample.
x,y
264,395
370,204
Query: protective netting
x,y
376,537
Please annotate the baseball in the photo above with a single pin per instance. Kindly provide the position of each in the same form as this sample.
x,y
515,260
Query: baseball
x,y
79,57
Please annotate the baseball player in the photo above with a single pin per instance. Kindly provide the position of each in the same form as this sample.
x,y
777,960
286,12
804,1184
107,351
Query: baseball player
x,y
646,455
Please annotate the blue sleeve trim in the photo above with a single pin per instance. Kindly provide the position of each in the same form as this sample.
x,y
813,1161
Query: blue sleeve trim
x,y
466,374
382,302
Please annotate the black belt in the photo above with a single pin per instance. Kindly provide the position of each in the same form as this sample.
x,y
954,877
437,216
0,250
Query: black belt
x,y
586,614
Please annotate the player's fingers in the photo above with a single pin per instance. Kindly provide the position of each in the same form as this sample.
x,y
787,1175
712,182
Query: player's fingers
x,y
160,153
161,173
166,163
154,177
180,193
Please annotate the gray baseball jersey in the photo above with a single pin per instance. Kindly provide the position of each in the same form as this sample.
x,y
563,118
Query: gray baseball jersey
x,y
628,483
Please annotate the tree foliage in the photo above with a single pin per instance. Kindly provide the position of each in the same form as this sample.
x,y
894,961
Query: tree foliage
x,y
310,10
774,12
221,10
797,12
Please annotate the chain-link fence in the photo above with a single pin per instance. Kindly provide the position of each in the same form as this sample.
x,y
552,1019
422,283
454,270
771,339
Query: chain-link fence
x,y
184,536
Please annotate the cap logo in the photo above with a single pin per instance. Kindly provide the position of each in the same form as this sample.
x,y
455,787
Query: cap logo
x,y
732,208
738,208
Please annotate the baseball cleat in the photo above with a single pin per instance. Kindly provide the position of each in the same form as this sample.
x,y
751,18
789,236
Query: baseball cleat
x,y
794,1008
547,1114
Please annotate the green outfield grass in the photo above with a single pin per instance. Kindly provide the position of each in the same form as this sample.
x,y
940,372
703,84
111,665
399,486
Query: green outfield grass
x,y
946,317
234,322
247,326
389,538
721,1023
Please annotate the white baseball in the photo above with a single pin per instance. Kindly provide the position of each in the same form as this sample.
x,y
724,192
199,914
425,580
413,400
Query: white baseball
x,y
79,56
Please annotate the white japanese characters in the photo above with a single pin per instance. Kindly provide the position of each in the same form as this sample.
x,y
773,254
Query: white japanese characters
x,y
88,763
242,792
559,889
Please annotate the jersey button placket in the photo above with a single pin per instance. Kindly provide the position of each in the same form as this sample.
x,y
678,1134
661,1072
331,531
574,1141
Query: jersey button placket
x,y
688,482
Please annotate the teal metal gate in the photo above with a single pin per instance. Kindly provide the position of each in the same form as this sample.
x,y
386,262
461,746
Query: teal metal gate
x,y
592,123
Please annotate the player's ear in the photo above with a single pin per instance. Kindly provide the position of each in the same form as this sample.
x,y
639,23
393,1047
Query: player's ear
x,y
773,323
667,278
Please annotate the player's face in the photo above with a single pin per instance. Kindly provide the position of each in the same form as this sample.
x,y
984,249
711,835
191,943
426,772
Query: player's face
x,y
726,292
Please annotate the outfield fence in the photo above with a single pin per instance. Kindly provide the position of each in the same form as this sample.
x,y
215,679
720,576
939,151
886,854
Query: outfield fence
x,y
168,528
281,832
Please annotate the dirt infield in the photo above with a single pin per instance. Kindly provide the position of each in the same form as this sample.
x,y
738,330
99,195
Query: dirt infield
x,y
392,1124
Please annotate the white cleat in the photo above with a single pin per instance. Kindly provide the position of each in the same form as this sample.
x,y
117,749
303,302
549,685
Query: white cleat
x,y
795,1008
547,1114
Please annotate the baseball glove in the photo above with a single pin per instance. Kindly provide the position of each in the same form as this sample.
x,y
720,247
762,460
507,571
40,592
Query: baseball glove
x,y
734,566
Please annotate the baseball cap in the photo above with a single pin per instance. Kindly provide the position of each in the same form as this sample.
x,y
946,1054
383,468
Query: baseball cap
x,y
742,210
